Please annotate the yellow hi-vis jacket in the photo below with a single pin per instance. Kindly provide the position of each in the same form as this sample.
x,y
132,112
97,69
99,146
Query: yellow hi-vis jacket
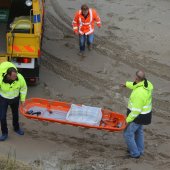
x,y
17,88
140,102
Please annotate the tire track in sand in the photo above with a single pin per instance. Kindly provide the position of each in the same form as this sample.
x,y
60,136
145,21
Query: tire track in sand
x,y
111,50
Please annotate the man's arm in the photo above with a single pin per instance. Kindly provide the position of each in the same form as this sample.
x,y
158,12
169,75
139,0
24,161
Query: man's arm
x,y
23,89
128,84
97,18
75,23
0,81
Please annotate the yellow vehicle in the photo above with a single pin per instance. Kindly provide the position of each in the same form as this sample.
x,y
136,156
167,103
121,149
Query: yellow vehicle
x,y
21,27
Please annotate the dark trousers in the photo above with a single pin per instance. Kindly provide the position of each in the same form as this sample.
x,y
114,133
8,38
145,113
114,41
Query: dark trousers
x,y
14,104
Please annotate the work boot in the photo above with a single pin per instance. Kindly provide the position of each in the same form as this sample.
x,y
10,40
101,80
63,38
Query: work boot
x,y
19,132
3,137
137,157
128,151
90,47
81,53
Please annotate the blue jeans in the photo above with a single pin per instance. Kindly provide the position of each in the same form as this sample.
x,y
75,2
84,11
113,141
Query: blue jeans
x,y
82,40
134,138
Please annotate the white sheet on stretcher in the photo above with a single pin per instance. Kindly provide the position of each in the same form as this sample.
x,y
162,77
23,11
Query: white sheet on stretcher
x,y
84,114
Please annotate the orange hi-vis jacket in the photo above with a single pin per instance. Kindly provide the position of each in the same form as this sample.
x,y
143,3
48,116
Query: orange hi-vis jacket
x,y
83,25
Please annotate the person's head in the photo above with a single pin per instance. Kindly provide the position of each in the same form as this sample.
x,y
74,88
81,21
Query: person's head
x,y
140,76
85,9
11,73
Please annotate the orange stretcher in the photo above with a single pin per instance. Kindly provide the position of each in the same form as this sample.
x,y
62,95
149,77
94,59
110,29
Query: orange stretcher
x,y
56,111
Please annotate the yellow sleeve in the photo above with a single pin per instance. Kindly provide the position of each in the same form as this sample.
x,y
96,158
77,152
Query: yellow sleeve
x,y
129,85
23,88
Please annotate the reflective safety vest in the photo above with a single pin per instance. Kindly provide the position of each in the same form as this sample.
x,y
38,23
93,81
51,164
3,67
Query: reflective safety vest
x,y
86,25
17,88
140,103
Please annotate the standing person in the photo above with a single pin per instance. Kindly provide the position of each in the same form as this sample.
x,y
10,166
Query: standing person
x,y
83,25
139,113
13,89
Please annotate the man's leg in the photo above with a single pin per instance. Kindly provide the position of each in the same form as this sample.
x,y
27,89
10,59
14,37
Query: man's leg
x,y
129,135
90,40
14,107
3,112
82,40
140,139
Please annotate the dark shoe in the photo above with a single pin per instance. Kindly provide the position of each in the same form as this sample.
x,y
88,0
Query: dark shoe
x,y
128,151
19,132
137,157
81,53
132,156
3,137
90,47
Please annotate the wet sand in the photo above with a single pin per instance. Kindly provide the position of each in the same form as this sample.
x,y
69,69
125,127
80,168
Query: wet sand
x,y
134,35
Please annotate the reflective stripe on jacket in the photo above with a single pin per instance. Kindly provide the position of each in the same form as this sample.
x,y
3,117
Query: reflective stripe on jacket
x,y
17,88
86,25
140,102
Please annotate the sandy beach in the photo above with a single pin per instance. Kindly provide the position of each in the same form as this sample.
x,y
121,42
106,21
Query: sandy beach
x,y
134,35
